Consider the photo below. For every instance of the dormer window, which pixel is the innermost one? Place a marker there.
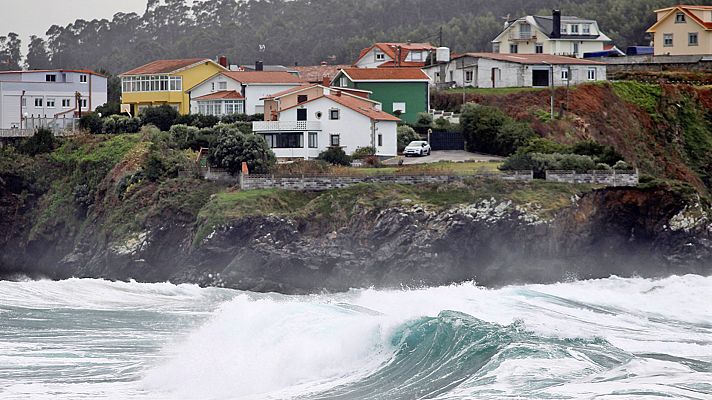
(563, 29)
(586, 29)
(680, 18)
(574, 29)
(380, 56)
(302, 98)
(416, 56)
(50, 78)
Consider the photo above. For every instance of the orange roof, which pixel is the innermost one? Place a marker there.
(317, 73)
(288, 91)
(685, 9)
(263, 77)
(166, 66)
(362, 107)
(222, 95)
(386, 74)
(390, 50)
(520, 58)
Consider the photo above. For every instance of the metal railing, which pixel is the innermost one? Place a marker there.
(281, 126)
(522, 36)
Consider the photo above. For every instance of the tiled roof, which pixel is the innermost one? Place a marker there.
(686, 9)
(317, 73)
(288, 91)
(386, 74)
(222, 95)
(390, 50)
(362, 107)
(165, 66)
(532, 58)
(263, 77)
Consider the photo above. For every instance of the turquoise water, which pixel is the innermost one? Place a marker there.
(603, 339)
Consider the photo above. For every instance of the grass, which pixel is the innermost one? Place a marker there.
(494, 91)
(643, 95)
(441, 167)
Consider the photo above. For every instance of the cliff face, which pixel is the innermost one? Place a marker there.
(491, 240)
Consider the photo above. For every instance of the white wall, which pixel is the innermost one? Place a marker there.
(369, 60)
(353, 128)
(253, 92)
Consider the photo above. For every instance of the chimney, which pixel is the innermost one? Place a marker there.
(556, 28)
(325, 81)
(259, 66)
(222, 60)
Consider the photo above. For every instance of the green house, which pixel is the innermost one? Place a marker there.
(398, 89)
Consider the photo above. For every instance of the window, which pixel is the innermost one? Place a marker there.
(563, 29)
(692, 39)
(539, 48)
(513, 48)
(380, 56)
(83, 103)
(399, 106)
(564, 74)
(525, 31)
(380, 140)
(222, 85)
(50, 78)
(66, 103)
(284, 140)
(495, 47)
(334, 140)
(680, 18)
(667, 39)
(302, 98)
(155, 83)
(576, 48)
(313, 144)
(416, 56)
(469, 74)
(343, 81)
(234, 106)
(334, 114)
(38, 102)
(212, 86)
(586, 29)
(24, 102)
(591, 74)
(50, 103)
(574, 29)
(82, 78)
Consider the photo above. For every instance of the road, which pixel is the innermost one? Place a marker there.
(444, 155)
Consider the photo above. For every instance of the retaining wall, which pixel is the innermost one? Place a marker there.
(608, 178)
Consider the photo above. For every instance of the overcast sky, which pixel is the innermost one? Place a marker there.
(34, 17)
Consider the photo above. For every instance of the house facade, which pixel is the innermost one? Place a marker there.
(48, 94)
(241, 92)
(555, 35)
(304, 121)
(403, 92)
(682, 30)
(494, 70)
(396, 55)
(164, 82)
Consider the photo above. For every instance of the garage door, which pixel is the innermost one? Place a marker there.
(540, 77)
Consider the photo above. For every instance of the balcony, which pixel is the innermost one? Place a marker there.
(523, 36)
(286, 126)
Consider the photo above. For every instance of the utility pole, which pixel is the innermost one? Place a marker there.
(551, 85)
(440, 37)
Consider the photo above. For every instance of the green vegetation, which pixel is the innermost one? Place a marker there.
(335, 155)
(644, 95)
(406, 134)
(489, 130)
(493, 91)
(233, 147)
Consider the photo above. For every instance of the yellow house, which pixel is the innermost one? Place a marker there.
(164, 82)
(683, 30)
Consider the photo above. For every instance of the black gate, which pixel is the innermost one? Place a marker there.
(447, 141)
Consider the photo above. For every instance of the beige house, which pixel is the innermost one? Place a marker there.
(554, 35)
(683, 30)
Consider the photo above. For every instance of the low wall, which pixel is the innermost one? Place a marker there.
(609, 178)
(326, 182)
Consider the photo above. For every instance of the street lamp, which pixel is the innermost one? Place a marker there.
(551, 85)
(22, 98)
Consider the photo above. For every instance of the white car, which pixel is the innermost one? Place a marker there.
(417, 148)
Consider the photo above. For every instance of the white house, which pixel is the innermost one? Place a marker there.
(48, 94)
(494, 70)
(382, 55)
(239, 92)
(304, 121)
(555, 34)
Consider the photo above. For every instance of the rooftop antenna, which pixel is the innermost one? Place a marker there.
(262, 48)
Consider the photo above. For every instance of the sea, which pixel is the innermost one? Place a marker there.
(614, 338)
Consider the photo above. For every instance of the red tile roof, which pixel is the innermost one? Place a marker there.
(263, 77)
(288, 91)
(386, 74)
(362, 107)
(532, 58)
(390, 50)
(165, 66)
(686, 9)
(317, 73)
(222, 95)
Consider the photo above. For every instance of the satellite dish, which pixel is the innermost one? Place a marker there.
(262, 48)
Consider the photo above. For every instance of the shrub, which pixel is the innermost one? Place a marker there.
(363, 152)
(373, 161)
(234, 147)
(406, 134)
(543, 146)
(181, 136)
(43, 141)
(163, 117)
(539, 163)
(621, 166)
(91, 122)
(205, 121)
(335, 155)
(424, 120)
(120, 124)
(232, 118)
(603, 167)
(481, 127)
(599, 152)
(512, 135)
(442, 124)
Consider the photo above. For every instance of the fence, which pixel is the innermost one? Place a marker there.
(608, 178)
(56, 125)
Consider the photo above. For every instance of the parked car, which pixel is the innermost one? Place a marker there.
(417, 148)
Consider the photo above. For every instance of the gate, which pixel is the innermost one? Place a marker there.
(447, 141)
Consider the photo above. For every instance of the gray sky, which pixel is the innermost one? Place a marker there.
(34, 17)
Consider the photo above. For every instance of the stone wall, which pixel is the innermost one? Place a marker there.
(608, 178)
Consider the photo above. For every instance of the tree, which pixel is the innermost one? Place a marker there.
(480, 127)
(335, 155)
(91, 122)
(233, 148)
(10, 52)
(37, 55)
(163, 117)
(42, 141)
(406, 134)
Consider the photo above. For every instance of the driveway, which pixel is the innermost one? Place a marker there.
(444, 155)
